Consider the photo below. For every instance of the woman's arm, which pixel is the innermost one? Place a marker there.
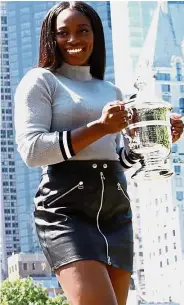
(33, 115)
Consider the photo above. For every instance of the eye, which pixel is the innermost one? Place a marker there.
(84, 31)
(61, 34)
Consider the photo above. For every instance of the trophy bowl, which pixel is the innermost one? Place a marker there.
(148, 136)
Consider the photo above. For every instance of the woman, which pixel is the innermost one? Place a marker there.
(71, 128)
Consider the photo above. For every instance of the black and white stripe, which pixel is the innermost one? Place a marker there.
(66, 144)
(126, 160)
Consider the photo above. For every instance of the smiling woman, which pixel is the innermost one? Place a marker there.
(70, 127)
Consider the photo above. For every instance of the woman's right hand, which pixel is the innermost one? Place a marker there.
(114, 117)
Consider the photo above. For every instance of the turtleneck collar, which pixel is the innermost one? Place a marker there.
(81, 73)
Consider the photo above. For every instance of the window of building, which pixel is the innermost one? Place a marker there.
(177, 169)
(174, 233)
(25, 266)
(26, 40)
(175, 257)
(167, 261)
(163, 76)
(160, 251)
(165, 88)
(178, 181)
(174, 245)
(167, 209)
(26, 32)
(181, 103)
(12, 28)
(33, 266)
(3, 20)
(159, 238)
(179, 195)
(178, 71)
(165, 235)
(160, 264)
(4, 28)
(25, 26)
(166, 248)
(108, 13)
(11, 13)
(181, 88)
(24, 10)
(166, 98)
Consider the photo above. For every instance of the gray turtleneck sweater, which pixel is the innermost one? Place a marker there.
(48, 106)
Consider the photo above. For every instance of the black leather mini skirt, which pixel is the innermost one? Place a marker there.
(82, 212)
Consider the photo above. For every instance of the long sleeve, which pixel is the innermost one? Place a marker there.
(33, 116)
(126, 159)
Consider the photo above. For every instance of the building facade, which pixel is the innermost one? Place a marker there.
(157, 206)
(9, 216)
(34, 265)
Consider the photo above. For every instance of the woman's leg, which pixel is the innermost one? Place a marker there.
(120, 280)
(86, 282)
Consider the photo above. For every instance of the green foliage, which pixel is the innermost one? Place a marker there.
(26, 292)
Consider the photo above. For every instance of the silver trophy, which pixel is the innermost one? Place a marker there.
(148, 135)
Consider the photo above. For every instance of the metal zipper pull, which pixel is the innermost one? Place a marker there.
(119, 187)
(80, 185)
(102, 175)
(109, 260)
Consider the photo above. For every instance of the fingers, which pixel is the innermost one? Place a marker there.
(175, 116)
(175, 137)
(177, 130)
(114, 107)
(176, 123)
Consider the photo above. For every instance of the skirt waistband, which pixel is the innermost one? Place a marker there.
(83, 165)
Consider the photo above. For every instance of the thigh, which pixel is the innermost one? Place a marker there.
(120, 280)
(86, 282)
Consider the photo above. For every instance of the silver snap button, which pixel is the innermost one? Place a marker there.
(104, 165)
(94, 165)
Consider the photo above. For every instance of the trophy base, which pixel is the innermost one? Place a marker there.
(152, 170)
(141, 174)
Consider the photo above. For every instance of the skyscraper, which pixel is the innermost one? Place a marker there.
(158, 212)
(9, 218)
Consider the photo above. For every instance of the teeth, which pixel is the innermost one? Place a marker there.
(74, 51)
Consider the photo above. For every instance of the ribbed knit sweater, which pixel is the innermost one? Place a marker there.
(48, 106)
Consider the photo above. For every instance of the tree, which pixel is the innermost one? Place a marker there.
(26, 292)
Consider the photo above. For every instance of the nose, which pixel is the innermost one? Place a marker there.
(73, 39)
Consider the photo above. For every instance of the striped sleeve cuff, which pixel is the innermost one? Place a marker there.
(126, 160)
(66, 144)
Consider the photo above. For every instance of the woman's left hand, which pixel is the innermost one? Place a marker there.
(176, 126)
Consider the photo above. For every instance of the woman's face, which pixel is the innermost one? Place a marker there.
(74, 37)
